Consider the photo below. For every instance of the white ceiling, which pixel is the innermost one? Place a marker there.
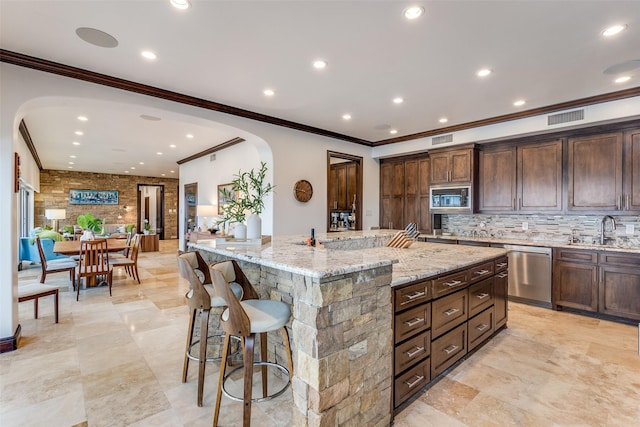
(545, 52)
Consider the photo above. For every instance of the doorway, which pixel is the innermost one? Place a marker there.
(344, 192)
(151, 209)
(190, 203)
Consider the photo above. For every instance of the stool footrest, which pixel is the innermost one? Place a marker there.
(258, 399)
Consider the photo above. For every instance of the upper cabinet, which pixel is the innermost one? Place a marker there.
(343, 185)
(452, 166)
(631, 182)
(594, 167)
(522, 179)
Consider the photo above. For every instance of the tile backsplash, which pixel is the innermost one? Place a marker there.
(541, 228)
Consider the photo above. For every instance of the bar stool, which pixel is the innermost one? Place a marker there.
(244, 319)
(201, 299)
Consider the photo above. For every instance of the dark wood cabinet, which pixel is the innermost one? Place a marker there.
(631, 184)
(404, 193)
(602, 282)
(594, 169)
(343, 185)
(452, 166)
(500, 292)
(524, 179)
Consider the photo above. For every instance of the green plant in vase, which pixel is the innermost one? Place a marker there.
(90, 225)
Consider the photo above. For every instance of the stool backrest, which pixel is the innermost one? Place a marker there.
(189, 263)
(237, 322)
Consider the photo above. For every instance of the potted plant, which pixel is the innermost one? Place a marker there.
(246, 197)
(90, 225)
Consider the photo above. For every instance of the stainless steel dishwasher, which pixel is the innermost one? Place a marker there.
(529, 274)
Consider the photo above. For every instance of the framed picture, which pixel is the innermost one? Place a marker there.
(222, 200)
(16, 172)
(93, 197)
(191, 199)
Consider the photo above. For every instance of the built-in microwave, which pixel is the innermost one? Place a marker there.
(450, 199)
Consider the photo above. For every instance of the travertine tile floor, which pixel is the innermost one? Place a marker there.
(118, 361)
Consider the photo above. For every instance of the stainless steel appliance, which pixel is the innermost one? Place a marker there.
(450, 199)
(529, 274)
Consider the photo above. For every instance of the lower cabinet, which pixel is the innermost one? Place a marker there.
(597, 281)
(438, 321)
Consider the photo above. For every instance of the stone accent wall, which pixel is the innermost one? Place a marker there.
(541, 228)
(54, 193)
(341, 338)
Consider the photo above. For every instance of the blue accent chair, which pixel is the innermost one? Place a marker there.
(29, 251)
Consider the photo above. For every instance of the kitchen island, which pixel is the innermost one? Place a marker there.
(342, 298)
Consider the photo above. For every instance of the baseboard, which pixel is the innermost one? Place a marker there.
(10, 343)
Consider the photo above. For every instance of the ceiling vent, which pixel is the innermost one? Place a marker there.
(571, 116)
(443, 139)
(212, 157)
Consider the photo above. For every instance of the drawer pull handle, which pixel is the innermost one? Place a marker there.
(482, 295)
(413, 296)
(481, 327)
(416, 382)
(503, 275)
(450, 349)
(501, 264)
(417, 350)
(453, 283)
(451, 311)
(481, 272)
(414, 322)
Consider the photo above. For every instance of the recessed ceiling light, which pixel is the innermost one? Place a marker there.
(172, 171)
(180, 4)
(269, 92)
(148, 54)
(132, 167)
(172, 146)
(393, 131)
(190, 136)
(141, 163)
(75, 143)
(398, 100)
(613, 30)
(126, 171)
(159, 153)
(443, 120)
(82, 118)
(72, 156)
(346, 117)
(622, 79)
(519, 103)
(163, 174)
(79, 132)
(413, 12)
(71, 163)
(484, 72)
(69, 167)
(320, 64)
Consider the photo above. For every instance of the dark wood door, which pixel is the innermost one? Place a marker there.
(497, 180)
(575, 285)
(461, 166)
(332, 190)
(619, 292)
(595, 173)
(501, 287)
(392, 194)
(351, 174)
(412, 199)
(540, 177)
(632, 171)
(440, 168)
(424, 223)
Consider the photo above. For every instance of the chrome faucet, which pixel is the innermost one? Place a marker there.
(602, 226)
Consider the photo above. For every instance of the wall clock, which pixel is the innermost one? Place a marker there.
(302, 190)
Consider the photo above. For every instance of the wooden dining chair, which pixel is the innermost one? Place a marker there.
(130, 262)
(93, 262)
(55, 266)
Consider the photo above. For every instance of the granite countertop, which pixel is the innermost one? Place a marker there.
(347, 252)
(543, 243)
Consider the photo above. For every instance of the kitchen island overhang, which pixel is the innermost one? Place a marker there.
(342, 321)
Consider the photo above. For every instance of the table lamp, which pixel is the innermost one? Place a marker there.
(54, 215)
(206, 211)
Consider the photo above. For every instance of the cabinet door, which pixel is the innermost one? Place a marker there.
(424, 170)
(461, 166)
(341, 171)
(620, 292)
(595, 173)
(352, 183)
(501, 286)
(412, 201)
(392, 195)
(497, 180)
(440, 168)
(575, 285)
(332, 194)
(540, 177)
(632, 171)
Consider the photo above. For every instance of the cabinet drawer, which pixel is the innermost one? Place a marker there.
(411, 352)
(480, 272)
(575, 255)
(448, 349)
(481, 327)
(412, 295)
(411, 382)
(449, 312)
(501, 264)
(412, 321)
(620, 259)
(450, 283)
(480, 296)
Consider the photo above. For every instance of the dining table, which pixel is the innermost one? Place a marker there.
(72, 247)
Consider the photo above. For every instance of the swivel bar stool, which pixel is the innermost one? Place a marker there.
(201, 299)
(244, 319)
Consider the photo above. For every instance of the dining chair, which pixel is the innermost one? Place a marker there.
(55, 265)
(35, 291)
(93, 262)
(129, 262)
